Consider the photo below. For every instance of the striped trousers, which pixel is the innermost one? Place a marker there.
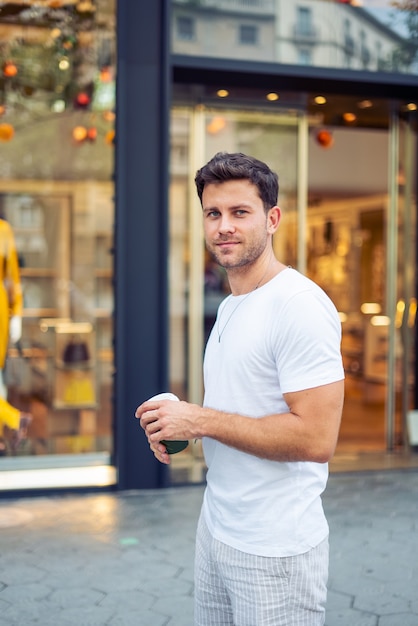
(233, 588)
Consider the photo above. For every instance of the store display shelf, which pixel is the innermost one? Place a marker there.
(71, 367)
(103, 272)
(44, 312)
(38, 272)
(73, 406)
(103, 313)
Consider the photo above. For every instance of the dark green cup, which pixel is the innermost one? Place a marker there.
(175, 446)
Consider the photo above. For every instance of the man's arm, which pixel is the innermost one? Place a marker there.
(308, 432)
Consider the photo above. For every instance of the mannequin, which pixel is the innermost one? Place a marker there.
(11, 305)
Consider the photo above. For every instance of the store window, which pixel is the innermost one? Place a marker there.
(57, 101)
(351, 229)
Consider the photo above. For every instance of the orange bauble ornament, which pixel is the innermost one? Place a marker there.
(6, 132)
(9, 69)
(110, 136)
(324, 138)
(79, 133)
(92, 134)
(82, 99)
(105, 75)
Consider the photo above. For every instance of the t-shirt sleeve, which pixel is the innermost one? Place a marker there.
(308, 342)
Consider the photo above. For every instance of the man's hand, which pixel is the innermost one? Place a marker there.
(168, 420)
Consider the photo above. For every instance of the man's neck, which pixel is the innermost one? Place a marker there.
(242, 281)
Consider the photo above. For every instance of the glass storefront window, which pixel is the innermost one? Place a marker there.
(374, 36)
(57, 101)
(348, 207)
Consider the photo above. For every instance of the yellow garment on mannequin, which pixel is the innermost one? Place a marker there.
(9, 416)
(11, 300)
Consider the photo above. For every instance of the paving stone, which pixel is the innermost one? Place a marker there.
(122, 559)
(381, 604)
(399, 619)
(350, 617)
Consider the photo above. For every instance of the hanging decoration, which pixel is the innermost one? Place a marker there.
(325, 138)
(9, 69)
(82, 134)
(82, 100)
(79, 133)
(6, 132)
(92, 133)
(55, 58)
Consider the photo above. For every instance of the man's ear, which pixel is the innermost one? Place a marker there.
(273, 219)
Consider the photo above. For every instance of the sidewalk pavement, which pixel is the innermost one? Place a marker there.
(124, 559)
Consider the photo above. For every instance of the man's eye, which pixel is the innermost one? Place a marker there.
(213, 214)
(240, 212)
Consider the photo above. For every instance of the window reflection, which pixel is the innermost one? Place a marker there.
(368, 35)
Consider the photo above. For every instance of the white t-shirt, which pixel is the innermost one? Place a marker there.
(283, 337)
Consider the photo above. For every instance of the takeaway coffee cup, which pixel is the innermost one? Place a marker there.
(172, 446)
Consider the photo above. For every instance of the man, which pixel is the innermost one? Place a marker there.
(270, 419)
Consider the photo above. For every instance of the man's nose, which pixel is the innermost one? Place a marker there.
(226, 224)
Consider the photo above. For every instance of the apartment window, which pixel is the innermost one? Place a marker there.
(349, 44)
(380, 63)
(185, 27)
(304, 20)
(304, 56)
(364, 50)
(248, 34)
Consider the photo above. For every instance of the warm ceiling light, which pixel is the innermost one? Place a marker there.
(222, 93)
(411, 106)
(380, 320)
(370, 308)
(272, 97)
(349, 117)
(365, 104)
(320, 100)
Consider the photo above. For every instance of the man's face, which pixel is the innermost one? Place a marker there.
(237, 228)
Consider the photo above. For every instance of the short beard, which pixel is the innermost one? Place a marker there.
(251, 255)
